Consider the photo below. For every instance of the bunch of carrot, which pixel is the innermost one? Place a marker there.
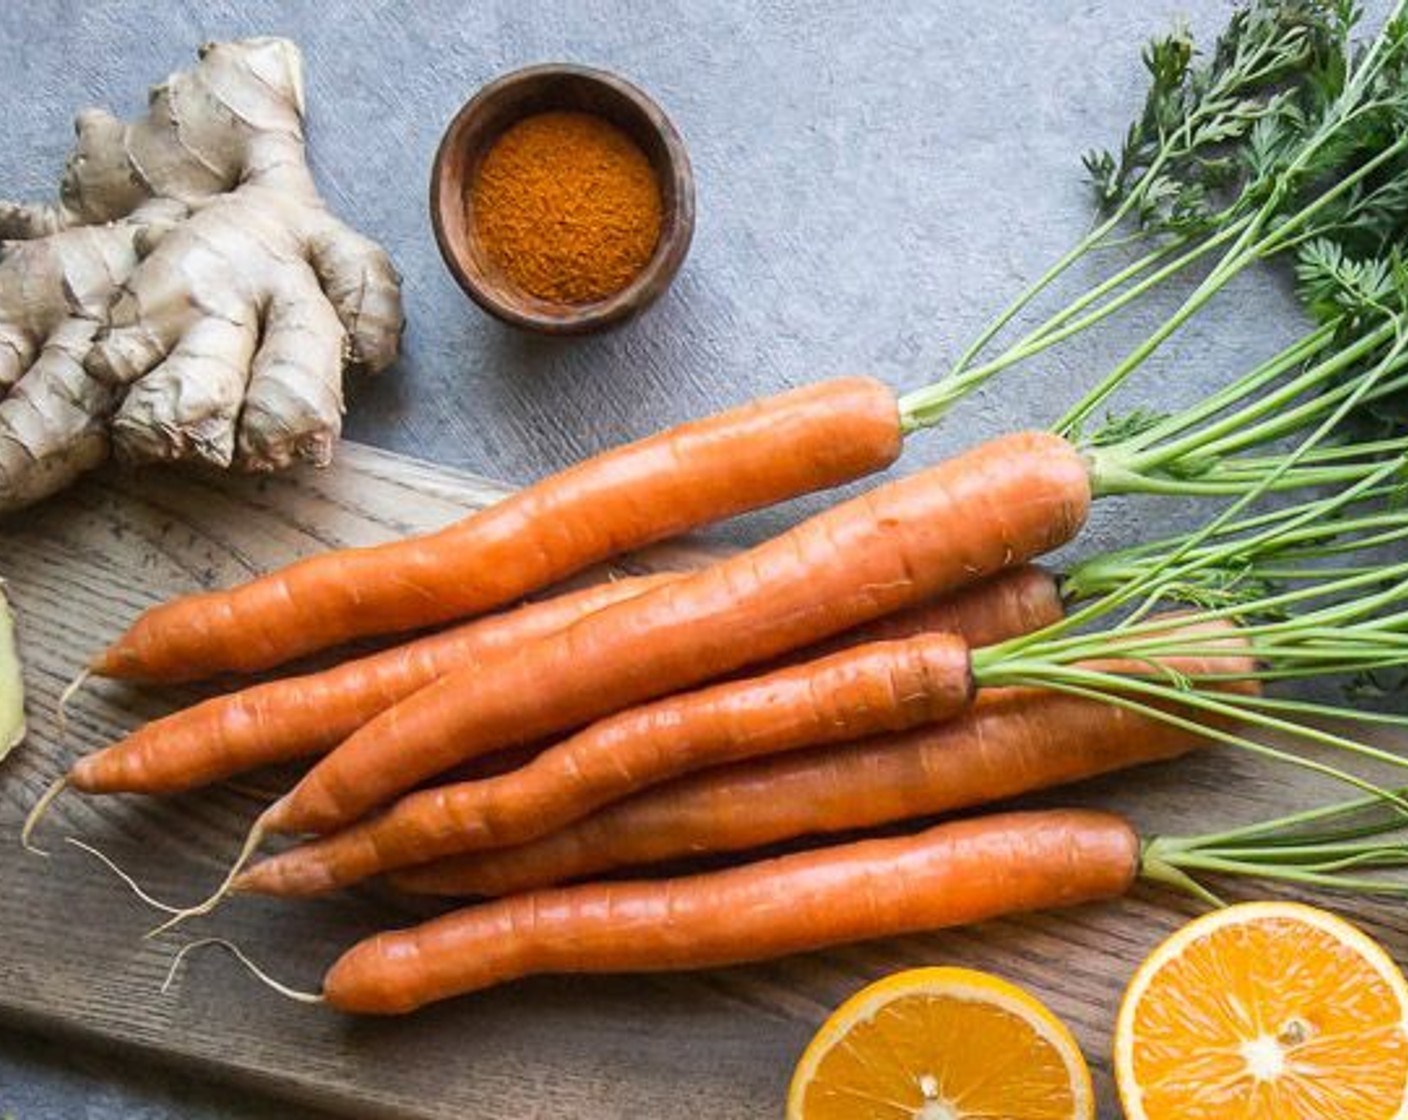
(893, 657)
(464, 694)
(788, 738)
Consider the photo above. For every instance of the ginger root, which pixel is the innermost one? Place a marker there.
(189, 295)
(11, 682)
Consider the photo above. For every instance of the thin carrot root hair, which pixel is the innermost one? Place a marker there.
(66, 697)
(132, 884)
(252, 840)
(41, 807)
(244, 959)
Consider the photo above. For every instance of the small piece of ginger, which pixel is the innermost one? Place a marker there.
(11, 682)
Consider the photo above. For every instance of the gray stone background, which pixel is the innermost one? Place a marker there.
(874, 179)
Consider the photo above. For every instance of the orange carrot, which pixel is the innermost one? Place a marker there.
(1010, 742)
(1009, 604)
(953, 874)
(994, 507)
(800, 441)
(879, 686)
(1012, 603)
(532, 796)
(288, 719)
(299, 716)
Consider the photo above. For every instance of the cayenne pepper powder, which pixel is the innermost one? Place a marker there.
(568, 206)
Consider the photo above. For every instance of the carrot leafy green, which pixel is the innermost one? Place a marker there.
(1288, 140)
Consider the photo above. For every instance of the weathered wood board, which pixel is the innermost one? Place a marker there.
(72, 956)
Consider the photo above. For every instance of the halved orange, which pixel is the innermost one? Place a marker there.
(941, 1044)
(1265, 1011)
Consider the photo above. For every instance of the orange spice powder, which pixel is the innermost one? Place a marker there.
(567, 205)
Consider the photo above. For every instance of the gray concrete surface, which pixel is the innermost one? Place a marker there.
(874, 179)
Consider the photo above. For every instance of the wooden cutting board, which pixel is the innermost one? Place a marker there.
(720, 1044)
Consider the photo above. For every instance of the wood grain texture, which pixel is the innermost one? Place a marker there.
(721, 1043)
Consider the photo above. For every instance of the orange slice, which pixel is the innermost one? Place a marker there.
(941, 1044)
(1265, 1011)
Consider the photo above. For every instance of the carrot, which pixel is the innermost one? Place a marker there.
(688, 732)
(287, 719)
(950, 874)
(808, 439)
(1007, 605)
(870, 689)
(991, 508)
(953, 874)
(1010, 742)
(879, 686)
(294, 717)
(298, 716)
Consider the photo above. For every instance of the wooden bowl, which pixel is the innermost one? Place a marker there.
(500, 105)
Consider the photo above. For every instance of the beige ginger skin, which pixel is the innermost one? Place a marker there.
(188, 296)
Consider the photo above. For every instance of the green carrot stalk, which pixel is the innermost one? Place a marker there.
(1177, 149)
(1340, 846)
(1286, 140)
(1255, 561)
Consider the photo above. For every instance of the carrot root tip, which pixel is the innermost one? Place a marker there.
(132, 884)
(240, 955)
(41, 807)
(252, 841)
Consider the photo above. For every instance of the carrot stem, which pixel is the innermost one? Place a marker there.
(926, 407)
(1114, 691)
(1238, 90)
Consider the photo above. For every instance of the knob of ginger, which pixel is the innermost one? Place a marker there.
(188, 295)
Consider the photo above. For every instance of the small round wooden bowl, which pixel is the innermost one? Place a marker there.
(488, 115)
